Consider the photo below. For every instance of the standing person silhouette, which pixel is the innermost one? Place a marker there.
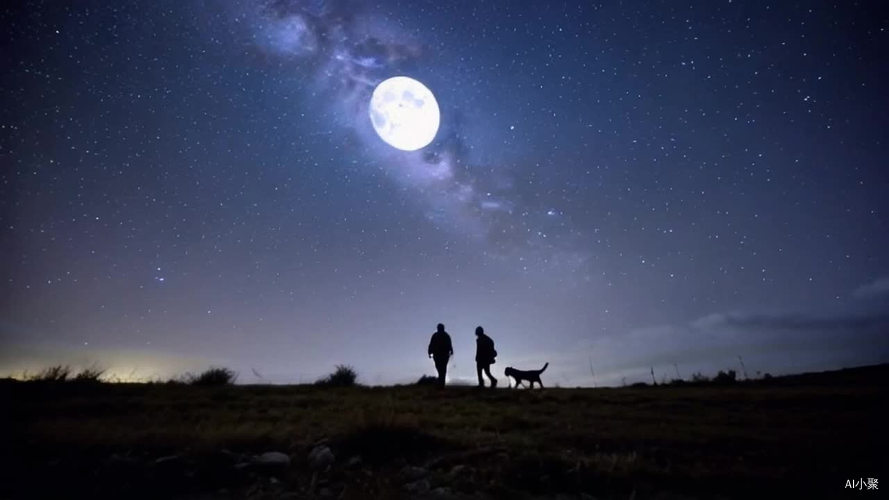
(440, 350)
(484, 356)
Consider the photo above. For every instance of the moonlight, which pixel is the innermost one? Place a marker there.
(404, 113)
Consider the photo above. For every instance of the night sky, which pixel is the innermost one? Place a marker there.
(613, 188)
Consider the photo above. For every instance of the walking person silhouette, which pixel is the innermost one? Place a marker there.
(440, 350)
(485, 355)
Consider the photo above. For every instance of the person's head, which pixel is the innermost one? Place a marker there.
(479, 331)
(440, 327)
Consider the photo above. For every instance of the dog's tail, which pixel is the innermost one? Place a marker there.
(544, 367)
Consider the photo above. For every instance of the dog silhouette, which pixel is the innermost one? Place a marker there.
(525, 375)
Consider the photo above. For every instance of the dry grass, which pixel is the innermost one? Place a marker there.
(733, 441)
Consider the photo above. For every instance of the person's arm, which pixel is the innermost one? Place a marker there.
(429, 351)
(450, 347)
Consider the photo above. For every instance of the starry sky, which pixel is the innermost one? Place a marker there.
(615, 188)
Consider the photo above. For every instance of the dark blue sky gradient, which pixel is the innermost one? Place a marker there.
(660, 183)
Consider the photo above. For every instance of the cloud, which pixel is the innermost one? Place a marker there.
(290, 35)
(778, 343)
(878, 287)
(709, 321)
(794, 322)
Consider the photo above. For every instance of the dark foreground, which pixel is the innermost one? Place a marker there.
(801, 436)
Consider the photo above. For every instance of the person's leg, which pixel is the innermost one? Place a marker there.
(441, 365)
(478, 368)
(490, 377)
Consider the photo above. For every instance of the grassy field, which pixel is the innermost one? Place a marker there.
(801, 436)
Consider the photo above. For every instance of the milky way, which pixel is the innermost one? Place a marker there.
(350, 49)
(613, 188)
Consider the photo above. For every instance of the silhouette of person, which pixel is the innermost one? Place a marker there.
(440, 350)
(484, 356)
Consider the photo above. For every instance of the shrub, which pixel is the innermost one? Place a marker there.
(724, 377)
(91, 375)
(58, 373)
(343, 376)
(213, 376)
(699, 378)
(64, 373)
(427, 380)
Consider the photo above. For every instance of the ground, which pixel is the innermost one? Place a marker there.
(803, 435)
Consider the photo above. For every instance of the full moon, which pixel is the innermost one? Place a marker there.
(404, 113)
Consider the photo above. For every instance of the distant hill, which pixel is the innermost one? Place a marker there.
(873, 375)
